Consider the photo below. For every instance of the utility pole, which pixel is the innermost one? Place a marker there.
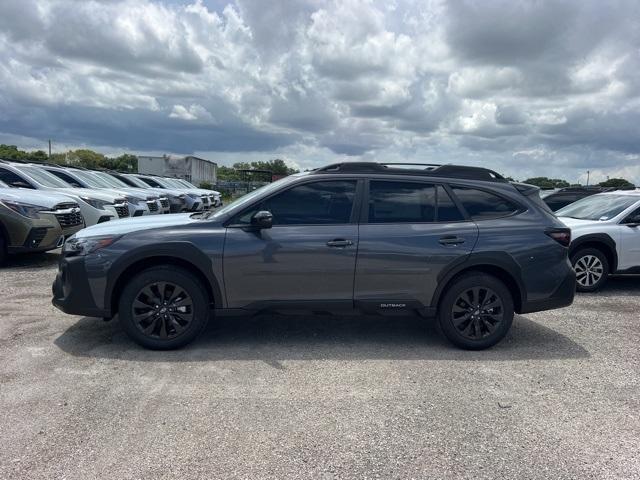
(49, 149)
(588, 178)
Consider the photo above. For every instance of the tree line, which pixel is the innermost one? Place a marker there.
(129, 163)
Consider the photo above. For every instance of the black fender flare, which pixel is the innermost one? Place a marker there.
(181, 251)
(491, 259)
(602, 238)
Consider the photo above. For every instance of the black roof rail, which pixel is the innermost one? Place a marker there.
(428, 169)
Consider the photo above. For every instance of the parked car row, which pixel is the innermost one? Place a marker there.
(54, 201)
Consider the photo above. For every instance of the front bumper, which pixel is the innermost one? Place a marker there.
(561, 297)
(71, 291)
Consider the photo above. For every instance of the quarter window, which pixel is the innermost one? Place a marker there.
(481, 205)
(318, 203)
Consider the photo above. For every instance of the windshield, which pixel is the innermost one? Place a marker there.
(184, 183)
(172, 182)
(90, 179)
(133, 181)
(245, 199)
(111, 181)
(151, 182)
(598, 207)
(44, 178)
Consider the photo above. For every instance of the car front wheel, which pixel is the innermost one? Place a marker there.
(163, 308)
(592, 269)
(476, 311)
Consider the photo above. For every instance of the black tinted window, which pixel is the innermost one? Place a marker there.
(447, 210)
(483, 205)
(312, 204)
(12, 179)
(401, 202)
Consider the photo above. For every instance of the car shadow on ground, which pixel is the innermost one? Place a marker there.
(275, 338)
(31, 260)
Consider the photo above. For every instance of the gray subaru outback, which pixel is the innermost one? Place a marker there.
(460, 244)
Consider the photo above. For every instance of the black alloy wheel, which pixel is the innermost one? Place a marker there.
(162, 310)
(164, 307)
(477, 312)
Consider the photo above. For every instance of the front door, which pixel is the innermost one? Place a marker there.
(307, 257)
(414, 231)
(629, 256)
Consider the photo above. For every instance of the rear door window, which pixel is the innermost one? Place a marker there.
(482, 205)
(410, 202)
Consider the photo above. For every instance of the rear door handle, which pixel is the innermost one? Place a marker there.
(339, 242)
(451, 240)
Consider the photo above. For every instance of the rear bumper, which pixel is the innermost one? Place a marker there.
(561, 297)
(71, 292)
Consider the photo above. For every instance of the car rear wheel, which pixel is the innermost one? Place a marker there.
(163, 308)
(476, 312)
(592, 269)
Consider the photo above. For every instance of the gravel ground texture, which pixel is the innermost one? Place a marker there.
(318, 397)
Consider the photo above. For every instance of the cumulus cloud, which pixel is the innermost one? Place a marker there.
(521, 86)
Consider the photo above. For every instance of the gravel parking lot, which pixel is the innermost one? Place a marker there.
(318, 397)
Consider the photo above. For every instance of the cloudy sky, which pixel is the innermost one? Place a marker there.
(526, 87)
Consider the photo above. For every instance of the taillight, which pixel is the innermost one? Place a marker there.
(560, 235)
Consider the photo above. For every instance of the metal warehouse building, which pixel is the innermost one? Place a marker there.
(193, 169)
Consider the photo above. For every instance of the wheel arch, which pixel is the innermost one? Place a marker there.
(599, 241)
(118, 283)
(501, 269)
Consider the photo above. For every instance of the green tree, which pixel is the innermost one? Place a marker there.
(206, 185)
(276, 167)
(124, 163)
(617, 183)
(11, 152)
(544, 182)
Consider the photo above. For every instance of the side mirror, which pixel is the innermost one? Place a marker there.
(632, 221)
(262, 219)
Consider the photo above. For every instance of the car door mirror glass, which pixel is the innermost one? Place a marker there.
(262, 219)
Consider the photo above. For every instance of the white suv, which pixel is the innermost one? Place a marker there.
(605, 236)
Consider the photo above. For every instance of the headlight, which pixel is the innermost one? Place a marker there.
(84, 246)
(26, 209)
(95, 203)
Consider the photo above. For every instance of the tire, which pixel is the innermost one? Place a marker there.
(169, 326)
(588, 263)
(475, 329)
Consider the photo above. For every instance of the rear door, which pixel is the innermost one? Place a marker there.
(411, 232)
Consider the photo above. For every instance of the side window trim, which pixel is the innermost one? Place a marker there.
(354, 209)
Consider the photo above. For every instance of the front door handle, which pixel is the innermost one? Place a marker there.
(451, 240)
(339, 242)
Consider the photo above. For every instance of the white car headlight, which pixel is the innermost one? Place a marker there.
(96, 203)
(83, 246)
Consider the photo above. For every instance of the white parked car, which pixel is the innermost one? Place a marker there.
(97, 206)
(605, 236)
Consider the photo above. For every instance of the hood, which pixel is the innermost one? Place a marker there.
(134, 224)
(91, 193)
(34, 197)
